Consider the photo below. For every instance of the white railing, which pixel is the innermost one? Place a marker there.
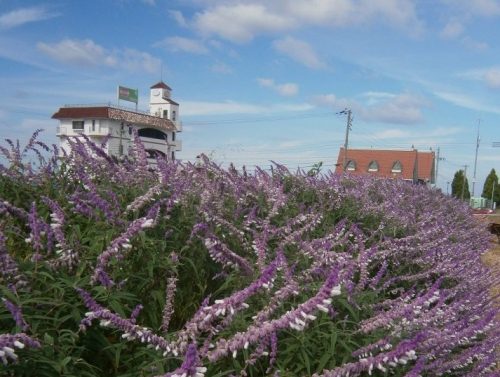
(114, 106)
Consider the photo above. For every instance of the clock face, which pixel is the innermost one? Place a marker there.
(156, 92)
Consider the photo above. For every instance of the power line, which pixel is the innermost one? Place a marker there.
(260, 119)
(22, 111)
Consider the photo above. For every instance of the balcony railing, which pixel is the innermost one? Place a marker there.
(114, 106)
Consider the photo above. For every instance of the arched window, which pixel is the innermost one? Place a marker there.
(152, 133)
(373, 166)
(351, 165)
(152, 153)
(397, 167)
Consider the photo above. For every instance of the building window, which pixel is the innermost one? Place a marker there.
(173, 136)
(351, 165)
(173, 116)
(373, 166)
(173, 156)
(152, 133)
(165, 114)
(397, 167)
(153, 153)
(93, 125)
(78, 125)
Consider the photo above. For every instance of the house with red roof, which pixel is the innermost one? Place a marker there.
(411, 165)
(157, 128)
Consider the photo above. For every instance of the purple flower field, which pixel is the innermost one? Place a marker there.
(114, 268)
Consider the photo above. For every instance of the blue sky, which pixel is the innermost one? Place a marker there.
(265, 80)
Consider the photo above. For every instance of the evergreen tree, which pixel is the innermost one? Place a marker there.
(460, 182)
(491, 188)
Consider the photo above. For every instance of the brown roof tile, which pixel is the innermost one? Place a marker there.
(107, 112)
(161, 85)
(426, 161)
(415, 165)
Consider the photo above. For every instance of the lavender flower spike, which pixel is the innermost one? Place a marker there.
(9, 343)
(169, 308)
(188, 367)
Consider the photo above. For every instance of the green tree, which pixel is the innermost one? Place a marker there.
(491, 188)
(460, 183)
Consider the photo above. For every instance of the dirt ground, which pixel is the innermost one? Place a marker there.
(492, 257)
(492, 260)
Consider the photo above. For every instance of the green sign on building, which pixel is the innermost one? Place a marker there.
(128, 94)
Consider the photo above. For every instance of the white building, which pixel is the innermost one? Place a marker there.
(157, 129)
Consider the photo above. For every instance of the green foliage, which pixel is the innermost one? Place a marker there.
(491, 190)
(460, 186)
(315, 170)
(381, 244)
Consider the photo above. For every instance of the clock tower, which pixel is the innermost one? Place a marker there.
(162, 105)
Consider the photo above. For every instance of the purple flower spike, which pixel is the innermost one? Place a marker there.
(188, 367)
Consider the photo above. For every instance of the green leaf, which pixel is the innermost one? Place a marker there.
(305, 358)
(333, 340)
(323, 361)
(48, 339)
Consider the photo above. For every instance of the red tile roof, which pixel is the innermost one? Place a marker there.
(161, 85)
(415, 165)
(426, 161)
(107, 112)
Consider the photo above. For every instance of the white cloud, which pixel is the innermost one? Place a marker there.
(22, 16)
(402, 109)
(472, 44)
(82, 53)
(398, 13)
(178, 17)
(453, 29)
(331, 101)
(223, 68)
(374, 98)
(176, 44)
(467, 102)
(485, 8)
(381, 107)
(240, 22)
(136, 61)
(492, 78)
(489, 76)
(300, 51)
(85, 53)
(288, 89)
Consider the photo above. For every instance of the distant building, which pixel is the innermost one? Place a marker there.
(157, 129)
(410, 165)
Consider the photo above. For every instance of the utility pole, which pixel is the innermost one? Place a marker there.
(492, 196)
(475, 162)
(348, 112)
(463, 184)
(437, 166)
(436, 171)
